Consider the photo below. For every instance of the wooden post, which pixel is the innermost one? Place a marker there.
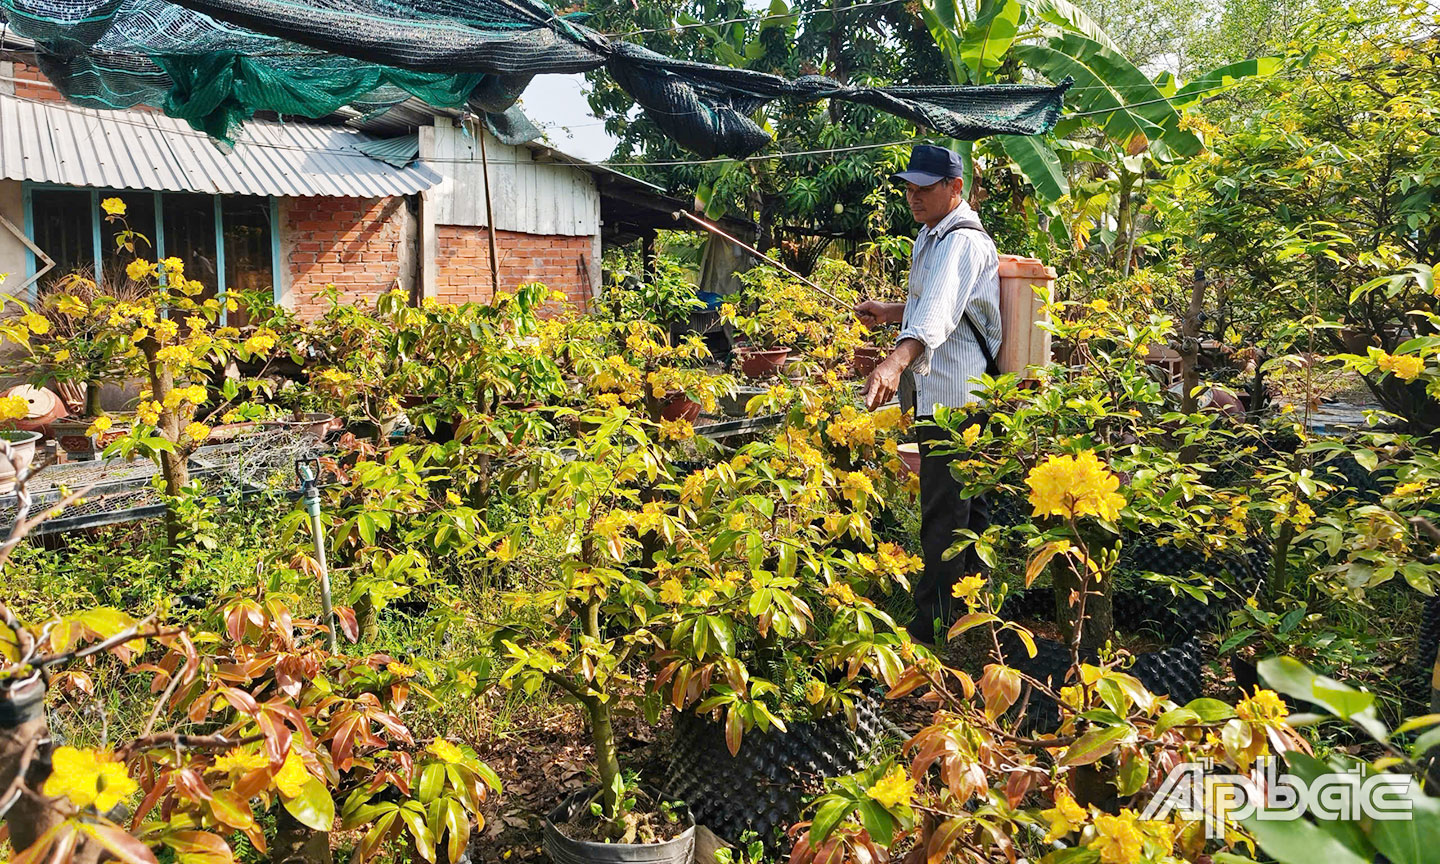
(489, 215)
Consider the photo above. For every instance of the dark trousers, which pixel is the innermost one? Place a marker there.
(942, 513)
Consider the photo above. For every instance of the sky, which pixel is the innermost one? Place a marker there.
(556, 103)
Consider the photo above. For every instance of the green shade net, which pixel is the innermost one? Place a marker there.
(214, 63)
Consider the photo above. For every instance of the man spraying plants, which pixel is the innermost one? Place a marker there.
(949, 335)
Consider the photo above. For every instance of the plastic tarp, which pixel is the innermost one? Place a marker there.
(215, 63)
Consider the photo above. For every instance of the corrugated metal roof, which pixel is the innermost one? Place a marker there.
(52, 142)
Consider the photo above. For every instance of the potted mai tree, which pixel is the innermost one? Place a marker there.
(589, 631)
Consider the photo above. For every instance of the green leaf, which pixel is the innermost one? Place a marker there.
(1177, 717)
(432, 780)
(1095, 745)
(1040, 165)
(313, 806)
(1134, 770)
(878, 821)
(1223, 76)
(1299, 842)
(832, 809)
(1411, 839)
(1210, 710)
(1293, 678)
(1068, 16)
(424, 838)
(987, 39)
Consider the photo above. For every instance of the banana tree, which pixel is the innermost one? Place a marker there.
(1055, 39)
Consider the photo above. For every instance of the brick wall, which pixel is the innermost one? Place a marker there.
(361, 245)
(462, 263)
(24, 74)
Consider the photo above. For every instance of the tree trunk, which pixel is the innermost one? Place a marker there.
(602, 735)
(367, 617)
(1097, 607)
(25, 748)
(92, 399)
(173, 465)
(297, 843)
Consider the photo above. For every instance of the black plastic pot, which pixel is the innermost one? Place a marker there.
(564, 850)
(1429, 639)
(1174, 671)
(22, 702)
(765, 787)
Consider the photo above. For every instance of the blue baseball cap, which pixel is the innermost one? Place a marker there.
(930, 164)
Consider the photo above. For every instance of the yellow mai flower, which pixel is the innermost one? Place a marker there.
(672, 593)
(1066, 816)
(292, 776)
(197, 431)
(177, 356)
(400, 670)
(857, 488)
(240, 761)
(814, 691)
(139, 270)
(148, 412)
(1265, 706)
(677, 430)
(101, 425)
(1118, 839)
(89, 777)
(263, 340)
(38, 324)
(13, 408)
(1402, 366)
(1408, 488)
(971, 434)
(895, 789)
(1074, 486)
(968, 589)
(446, 751)
(1100, 304)
(113, 207)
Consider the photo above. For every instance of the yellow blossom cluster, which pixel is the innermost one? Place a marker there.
(197, 431)
(88, 778)
(292, 776)
(857, 487)
(100, 426)
(851, 427)
(1122, 838)
(1264, 706)
(261, 341)
(1065, 817)
(113, 207)
(241, 761)
(1074, 486)
(677, 430)
(890, 560)
(894, 790)
(447, 751)
(968, 589)
(13, 408)
(1406, 367)
(148, 411)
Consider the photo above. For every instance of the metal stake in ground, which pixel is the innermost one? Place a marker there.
(311, 492)
(713, 229)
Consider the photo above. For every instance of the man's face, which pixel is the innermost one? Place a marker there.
(930, 203)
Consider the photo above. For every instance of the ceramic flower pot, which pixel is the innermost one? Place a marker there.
(679, 407)
(22, 453)
(867, 357)
(312, 423)
(761, 362)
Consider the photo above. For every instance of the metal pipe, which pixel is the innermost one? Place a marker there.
(311, 492)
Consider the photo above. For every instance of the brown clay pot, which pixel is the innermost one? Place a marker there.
(867, 357)
(679, 407)
(761, 362)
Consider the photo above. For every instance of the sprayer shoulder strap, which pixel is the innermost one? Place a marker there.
(992, 368)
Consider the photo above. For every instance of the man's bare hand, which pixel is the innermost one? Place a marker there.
(880, 387)
(871, 312)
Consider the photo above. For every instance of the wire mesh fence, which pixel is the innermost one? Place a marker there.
(126, 490)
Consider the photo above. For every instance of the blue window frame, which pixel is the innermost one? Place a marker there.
(227, 241)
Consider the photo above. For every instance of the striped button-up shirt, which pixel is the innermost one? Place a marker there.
(950, 272)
